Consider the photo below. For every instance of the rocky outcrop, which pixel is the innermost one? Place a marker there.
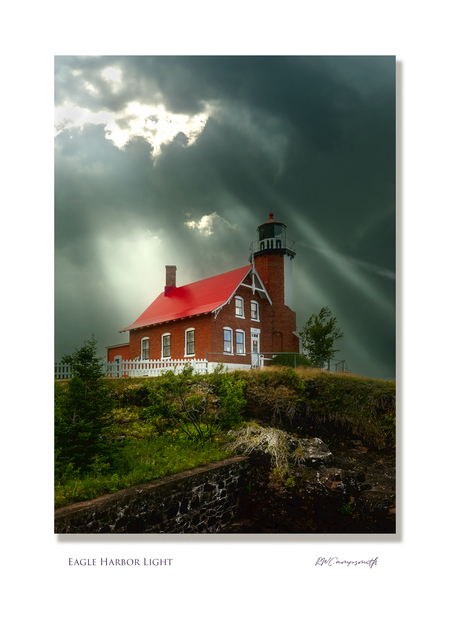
(349, 491)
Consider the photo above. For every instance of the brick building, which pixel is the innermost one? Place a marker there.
(230, 318)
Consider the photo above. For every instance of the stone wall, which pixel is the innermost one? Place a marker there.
(203, 500)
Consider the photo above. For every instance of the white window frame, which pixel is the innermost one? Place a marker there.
(162, 346)
(186, 354)
(230, 331)
(241, 332)
(145, 339)
(257, 311)
(236, 308)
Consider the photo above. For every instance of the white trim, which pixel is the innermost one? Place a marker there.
(253, 288)
(186, 331)
(262, 291)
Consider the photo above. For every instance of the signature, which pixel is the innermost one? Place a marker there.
(335, 561)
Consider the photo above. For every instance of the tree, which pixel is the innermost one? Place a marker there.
(319, 335)
(83, 413)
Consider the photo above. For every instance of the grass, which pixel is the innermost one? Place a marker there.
(148, 452)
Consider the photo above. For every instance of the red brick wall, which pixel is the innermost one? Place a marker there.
(201, 324)
(270, 268)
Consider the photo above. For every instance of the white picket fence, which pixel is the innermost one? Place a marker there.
(149, 367)
(63, 370)
(154, 367)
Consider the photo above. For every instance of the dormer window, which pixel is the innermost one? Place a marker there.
(239, 306)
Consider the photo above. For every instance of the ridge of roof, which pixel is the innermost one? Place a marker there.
(200, 297)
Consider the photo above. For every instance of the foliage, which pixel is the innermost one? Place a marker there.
(230, 389)
(304, 401)
(83, 414)
(184, 400)
(172, 398)
(292, 360)
(274, 394)
(318, 336)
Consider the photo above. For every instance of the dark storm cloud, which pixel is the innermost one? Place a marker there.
(310, 139)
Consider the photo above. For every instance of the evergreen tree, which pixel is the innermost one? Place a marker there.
(83, 413)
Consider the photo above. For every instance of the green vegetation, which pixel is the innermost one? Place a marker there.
(349, 405)
(104, 442)
(83, 415)
(318, 337)
(115, 433)
(145, 455)
(292, 360)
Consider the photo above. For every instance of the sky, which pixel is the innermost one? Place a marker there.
(177, 160)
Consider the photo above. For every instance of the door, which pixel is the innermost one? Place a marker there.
(255, 336)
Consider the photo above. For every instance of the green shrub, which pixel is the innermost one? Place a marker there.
(173, 398)
(291, 360)
(231, 400)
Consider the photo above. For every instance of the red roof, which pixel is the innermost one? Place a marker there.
(200, 297)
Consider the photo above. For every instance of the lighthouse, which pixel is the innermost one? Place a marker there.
(272, 254)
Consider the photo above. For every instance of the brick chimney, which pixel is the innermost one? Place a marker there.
(171, 279)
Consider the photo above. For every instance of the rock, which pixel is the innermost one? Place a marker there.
(316, 452)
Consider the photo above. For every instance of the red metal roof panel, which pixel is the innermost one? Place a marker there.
(199, 297)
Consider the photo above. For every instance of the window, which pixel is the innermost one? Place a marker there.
(240, 343)
(254, 308)
(227, 341)
(239, 305)
(145, 348)
(166, 345)
(190, 342)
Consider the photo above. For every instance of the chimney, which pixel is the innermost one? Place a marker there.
(171, 279)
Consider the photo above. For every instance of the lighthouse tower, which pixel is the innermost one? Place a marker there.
(272, 254)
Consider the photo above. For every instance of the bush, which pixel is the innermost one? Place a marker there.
(172, 398)
(292, 360)
(230, 389)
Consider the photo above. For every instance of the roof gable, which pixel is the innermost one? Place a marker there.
(202, 297)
